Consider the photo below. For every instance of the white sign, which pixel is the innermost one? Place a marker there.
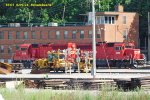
(117, 52)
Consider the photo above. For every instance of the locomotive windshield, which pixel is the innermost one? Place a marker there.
(23, 49)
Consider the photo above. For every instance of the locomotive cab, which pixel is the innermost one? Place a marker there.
(134, 55)
(25, 51)
(23, 55)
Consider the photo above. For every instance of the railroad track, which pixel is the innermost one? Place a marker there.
(145, 84)
(89, 84)
(2, 84)
(86, 84)
(96, 84)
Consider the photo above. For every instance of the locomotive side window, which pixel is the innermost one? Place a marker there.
(110, 44)
(118, 48)
(130, 47)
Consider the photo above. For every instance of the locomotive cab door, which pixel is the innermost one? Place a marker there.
(118, 55)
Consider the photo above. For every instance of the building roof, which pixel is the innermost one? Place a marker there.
(107, 13)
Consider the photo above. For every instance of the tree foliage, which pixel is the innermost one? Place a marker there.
(68, 10)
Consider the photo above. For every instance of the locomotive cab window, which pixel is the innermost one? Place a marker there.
(118, 48)
(130, 47)
(23, 49)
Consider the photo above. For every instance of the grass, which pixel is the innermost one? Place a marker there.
(40, 94)
(107, 92)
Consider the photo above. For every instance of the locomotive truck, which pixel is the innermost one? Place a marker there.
(108, 54)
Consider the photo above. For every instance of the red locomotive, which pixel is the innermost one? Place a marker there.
(115, 54)
(108, 54)
(30, 52)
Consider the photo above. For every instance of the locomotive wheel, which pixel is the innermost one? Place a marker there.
(118, 65)
(56, 70)
(125, 63)
(142, 62)
(75, 70)
(81, 71)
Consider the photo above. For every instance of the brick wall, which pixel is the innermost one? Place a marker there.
(109, 33)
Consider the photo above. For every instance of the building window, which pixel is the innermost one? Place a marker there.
(9, 35)
(1, 35)
(125, 34)
(9, 61)
(2, 49)
(1, 60)
(17, 35)
(57, 34)
(73, 34)
(49, 34)
(81, 34)
(17, 47)
(41, 35)
(105, 19)
(98, 20)
(9, 49)
(113, 20)
(25, 35)
(98, 34)
(124, 19)
(90, 34)
(33, 34)
(65, 34)
(110, 20)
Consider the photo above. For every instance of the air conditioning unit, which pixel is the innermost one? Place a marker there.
(14, 24)
(52, 24)
(41, 25)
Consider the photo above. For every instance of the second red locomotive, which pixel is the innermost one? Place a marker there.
(108, 54)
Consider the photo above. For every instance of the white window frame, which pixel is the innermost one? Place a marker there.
(101, 19)
(81, 34)
(57, 34)
(25, 35)
(74, 34)
(2, 49)
(65, 34)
